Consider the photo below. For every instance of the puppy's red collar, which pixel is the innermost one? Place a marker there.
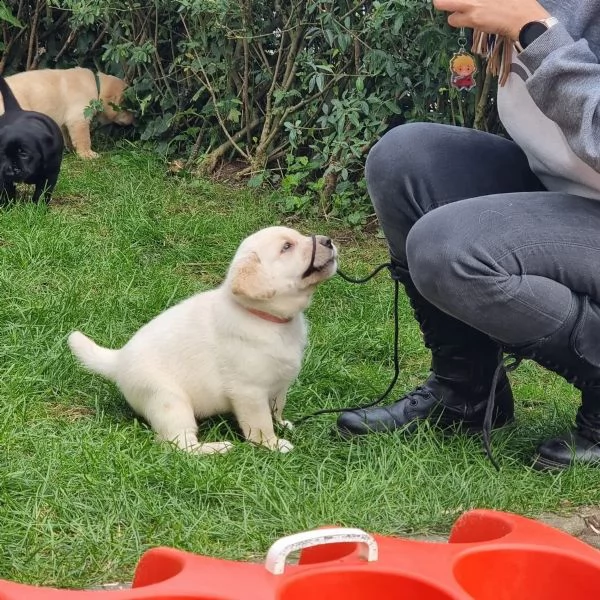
(267, 316)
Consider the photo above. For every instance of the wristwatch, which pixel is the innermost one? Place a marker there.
(532, 30)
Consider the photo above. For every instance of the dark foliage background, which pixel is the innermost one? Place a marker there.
(291, 94)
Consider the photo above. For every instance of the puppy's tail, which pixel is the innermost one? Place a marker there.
(96, 358)
(10, 102)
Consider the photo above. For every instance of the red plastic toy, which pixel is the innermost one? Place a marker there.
(490, 556)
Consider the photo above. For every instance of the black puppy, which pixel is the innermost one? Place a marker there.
(31, 149)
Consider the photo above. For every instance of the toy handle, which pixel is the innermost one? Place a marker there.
(279, 551)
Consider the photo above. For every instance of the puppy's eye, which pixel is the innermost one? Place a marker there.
(22, 152)
(286, 247)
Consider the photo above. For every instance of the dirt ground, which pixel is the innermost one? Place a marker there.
(583, 524)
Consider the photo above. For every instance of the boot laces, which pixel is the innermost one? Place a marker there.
(508, 366)
(420, 392)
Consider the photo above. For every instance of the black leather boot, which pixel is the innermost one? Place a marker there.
(457, 390)
(573, 352)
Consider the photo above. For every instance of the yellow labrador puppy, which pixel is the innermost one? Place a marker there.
(235, 349)
(63, 95)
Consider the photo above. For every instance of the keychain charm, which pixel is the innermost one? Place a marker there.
(462, 66)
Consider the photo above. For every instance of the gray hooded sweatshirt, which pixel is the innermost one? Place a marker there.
(550, 104)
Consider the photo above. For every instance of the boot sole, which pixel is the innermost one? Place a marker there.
(451, 429)
(541, 463)
(545, 465)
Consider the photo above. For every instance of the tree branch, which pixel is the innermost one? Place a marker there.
(211, 91)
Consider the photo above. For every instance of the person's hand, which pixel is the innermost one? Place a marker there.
(503, 17)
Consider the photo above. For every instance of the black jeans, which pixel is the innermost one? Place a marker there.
(480, 236)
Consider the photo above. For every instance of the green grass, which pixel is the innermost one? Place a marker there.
(85, 490)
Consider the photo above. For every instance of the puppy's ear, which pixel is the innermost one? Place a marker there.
(250, 280)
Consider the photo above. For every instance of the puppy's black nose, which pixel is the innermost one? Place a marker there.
(325, 241)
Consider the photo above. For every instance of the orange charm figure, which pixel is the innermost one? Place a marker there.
(463, 69)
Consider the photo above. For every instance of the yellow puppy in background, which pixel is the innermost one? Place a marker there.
(63, 95)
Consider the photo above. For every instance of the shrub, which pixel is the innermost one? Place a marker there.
(294, 93)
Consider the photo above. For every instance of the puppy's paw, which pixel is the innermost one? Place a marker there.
(211, 448)
(284, 446)
(286, 424)
(87, 154)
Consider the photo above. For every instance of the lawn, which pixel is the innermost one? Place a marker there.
(85, 490)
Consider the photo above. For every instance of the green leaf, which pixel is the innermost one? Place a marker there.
(234, 115)
(327, 68)
(320, 81)
(398, 23)
(257, 180)
(93, 108)
(7, 16)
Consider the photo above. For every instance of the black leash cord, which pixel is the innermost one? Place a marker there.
(368, 277)
(487, 427)
(390, 387)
